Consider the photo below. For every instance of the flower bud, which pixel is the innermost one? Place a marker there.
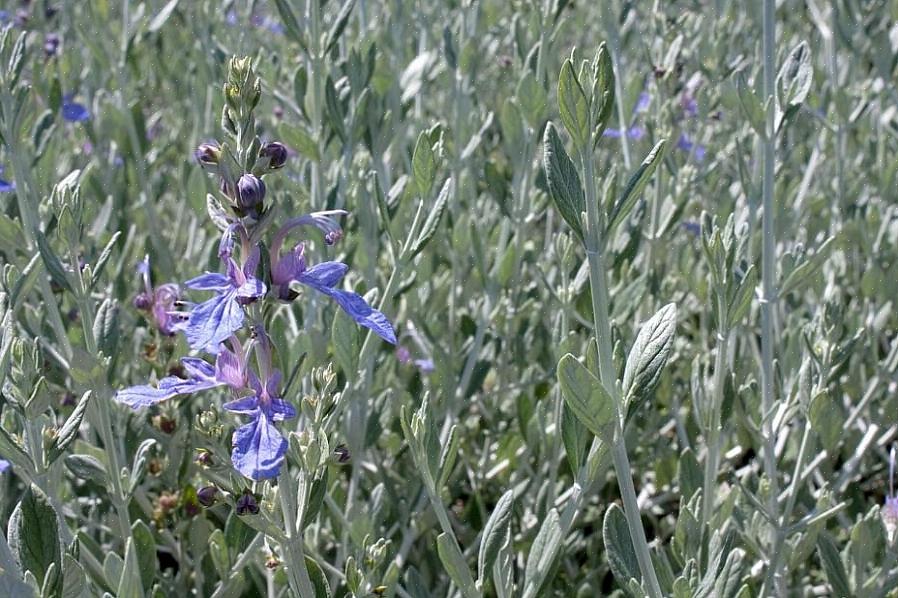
(276, 153)
(51, 44)
(206, 495)
(250, 192)
(247, 504)
(207, 154)
(143, 301)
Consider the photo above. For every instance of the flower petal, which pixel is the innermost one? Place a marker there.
(352, 303)
(279, 410)
(210, 281)
(325, 274)
(259, 449)
(213, 321)
(230, 370)
(253, 288)
(74, 112)
(248, 405)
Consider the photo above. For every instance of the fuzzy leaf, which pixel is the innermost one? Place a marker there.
(542, 554)
(494, 535)
(69, 430)
(573, 105)
(34, 538)
(424, 164)
(618, 546)
(429, 229)
(634, 188)
(455, 564)
(649, 354)
(586, 396)
(563, 180)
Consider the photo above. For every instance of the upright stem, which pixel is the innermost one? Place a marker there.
(297, 572)
(599, 287)
(712, 460)
(768, 264)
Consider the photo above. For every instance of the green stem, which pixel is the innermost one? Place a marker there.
(768, 270)
(712, 460)
(608, 376)
(297, 572)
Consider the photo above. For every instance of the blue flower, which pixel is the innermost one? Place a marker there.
(214, 320)
(73, 111)
(258, 446)
(634, 132)
(323, 277)
(6, 186)
(687, 145)
(642, 103)
(229, 370)
(4, 465)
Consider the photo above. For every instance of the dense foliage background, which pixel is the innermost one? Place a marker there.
(461, 431)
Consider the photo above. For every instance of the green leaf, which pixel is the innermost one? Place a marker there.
(106, 326)
(618, 546)
(563, 180)
(573, 106)
(448, 456)
(69, 430)
(319, 581)
(218, 551)
(299, 139)
(575, 437)
(689, 474)
(101, 262)
(51, 262)
(587, 398)
(87, 467)
(345, 338)
(751, 105)
(333, 35)
(741, 300)
(145, 544)
(429, 229)
(793, 82)
(649, 354)
(424, 164)
(288, 16)
(531, 97)
(494, 535)
(542, 554)
(16, 62)
(74, 582)
(34, 538)
(602, 91)
(162, 16)
(455, 564)
(832, 565)
(12, 452)
(41, 133)
(634, 188)
(826, 419)
(129, 582)
(802, 273)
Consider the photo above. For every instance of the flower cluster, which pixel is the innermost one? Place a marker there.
(215, 325)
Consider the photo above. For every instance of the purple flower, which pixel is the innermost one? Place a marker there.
(206, 495)
(276, 153)
(687, 145)
(51, 44)
(207, 154)
(6, 186)
(229, 370)
(4, 465)
(159, 302)
(689, 105)
(692, 227)
(214, 320)
(259, 447)
(425, 365)
(642, 103)
(634, 132)
(247, 504)
(291, 267)
(250, 192)
(73, 111)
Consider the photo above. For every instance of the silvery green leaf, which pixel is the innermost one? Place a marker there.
(162, 16)
(298, 138)
(563, 180)
(448, 456)
(542, 554)
(503, 570)
(103, 259)
(33, 536)
(345, 338)
(826, 419)
(14, 453)
(794, 82)
(16, 61)
(140, 464)
(689, 474)
(87, 467)
(575, 437)
(602, 90)
(51, 262)
(106, 326)
(218, 551)
(752, 106)
(145, 546)
(74, 582)
(291, 23)
(429, 229)
(319, 581)
(424, 165)
(455, 564)
(494, 535)
(69, 430)
(618, 546)
(573, 106)
(532, 99)
(129, 585)
(804, 271)
(339, 24)
(833, 566)
(587, 397)
(336, 115)
(637, 182)
(649, 354)
(42, 132)
(741, 300)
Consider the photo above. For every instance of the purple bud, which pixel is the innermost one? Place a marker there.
(143, 301)
(342, 454)
(276, 153)
(247, 504)
(204, 458)
(51, 44)
(207, 154)
(250, 191)
(332, 237)
(206, 495)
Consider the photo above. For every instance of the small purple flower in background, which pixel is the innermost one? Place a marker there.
(634, 132)
(73, 111)
(692, 227)
(403, 355)
(4, 465)
(689, 105)
(687, 145)
(214, 320)
(6, 186)
(160, 302)
(890, 509)
(642, 103)
(51, 44)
